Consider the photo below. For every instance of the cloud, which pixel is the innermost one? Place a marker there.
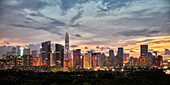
(76, 17)
(77, 35)
(86, 48)
(54, 30)
(68, 4)
(108, 5)
(134, 42)
(97, 47)
(6, 42)
(76, 25)
(26, 4)
(73, 46)
(143, 32)
(53, 21)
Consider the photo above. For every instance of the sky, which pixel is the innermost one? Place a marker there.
(97, 25)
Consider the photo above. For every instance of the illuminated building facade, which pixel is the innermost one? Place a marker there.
(13, 51)
(136, 62)
(10, 60)
(120, 56)
(160, 60)
(168, 61)
(19, 61)
(87, 61)
(125, 56)
(77, 60)
(98, 58)
(46, 50)
(26, 51)
(142, 61)
(27, 60)
(131, 61)
(149, 59)
(59, 55)
(94, 59)
(36, 61)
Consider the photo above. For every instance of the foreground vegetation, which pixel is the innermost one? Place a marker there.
(145, 77)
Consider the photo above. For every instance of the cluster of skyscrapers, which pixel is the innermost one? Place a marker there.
(21, 58)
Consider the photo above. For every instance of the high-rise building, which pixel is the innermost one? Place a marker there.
(27, 60)
(136, 62)
(67, 56)
(120, 56)
(125, 56)
(77, 60)
(131, 61)
(111, 55)
(10, 61)
(13, 51)
(160, 60)
(142, 61)
(46, 50)
(143, 50)
(168, 62)
(149, 59)
(59, 55)
(34, 53)
(167, 51)
(67, 45)
(26, 51)
(18, 50)
(87, 59)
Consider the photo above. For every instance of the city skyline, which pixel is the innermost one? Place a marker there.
(99, 25)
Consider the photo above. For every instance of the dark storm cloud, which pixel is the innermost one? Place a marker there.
(143, 32)
(77, 35)
(114, 4)
(73, 46)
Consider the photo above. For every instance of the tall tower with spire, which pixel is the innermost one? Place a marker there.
(67, 56)
(66, 44)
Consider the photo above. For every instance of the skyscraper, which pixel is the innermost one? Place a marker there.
(67, 56)
(13, 51)
(34, 53)
(111, 55)
(26, 51)
(59, 55)
(46, 50)
(87, 61)
(77, 61)
(67, 44)
(143, 50)
(120, 56)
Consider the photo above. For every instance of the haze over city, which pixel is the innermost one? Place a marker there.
(97, 25)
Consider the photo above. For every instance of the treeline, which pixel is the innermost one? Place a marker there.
(145, 77)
